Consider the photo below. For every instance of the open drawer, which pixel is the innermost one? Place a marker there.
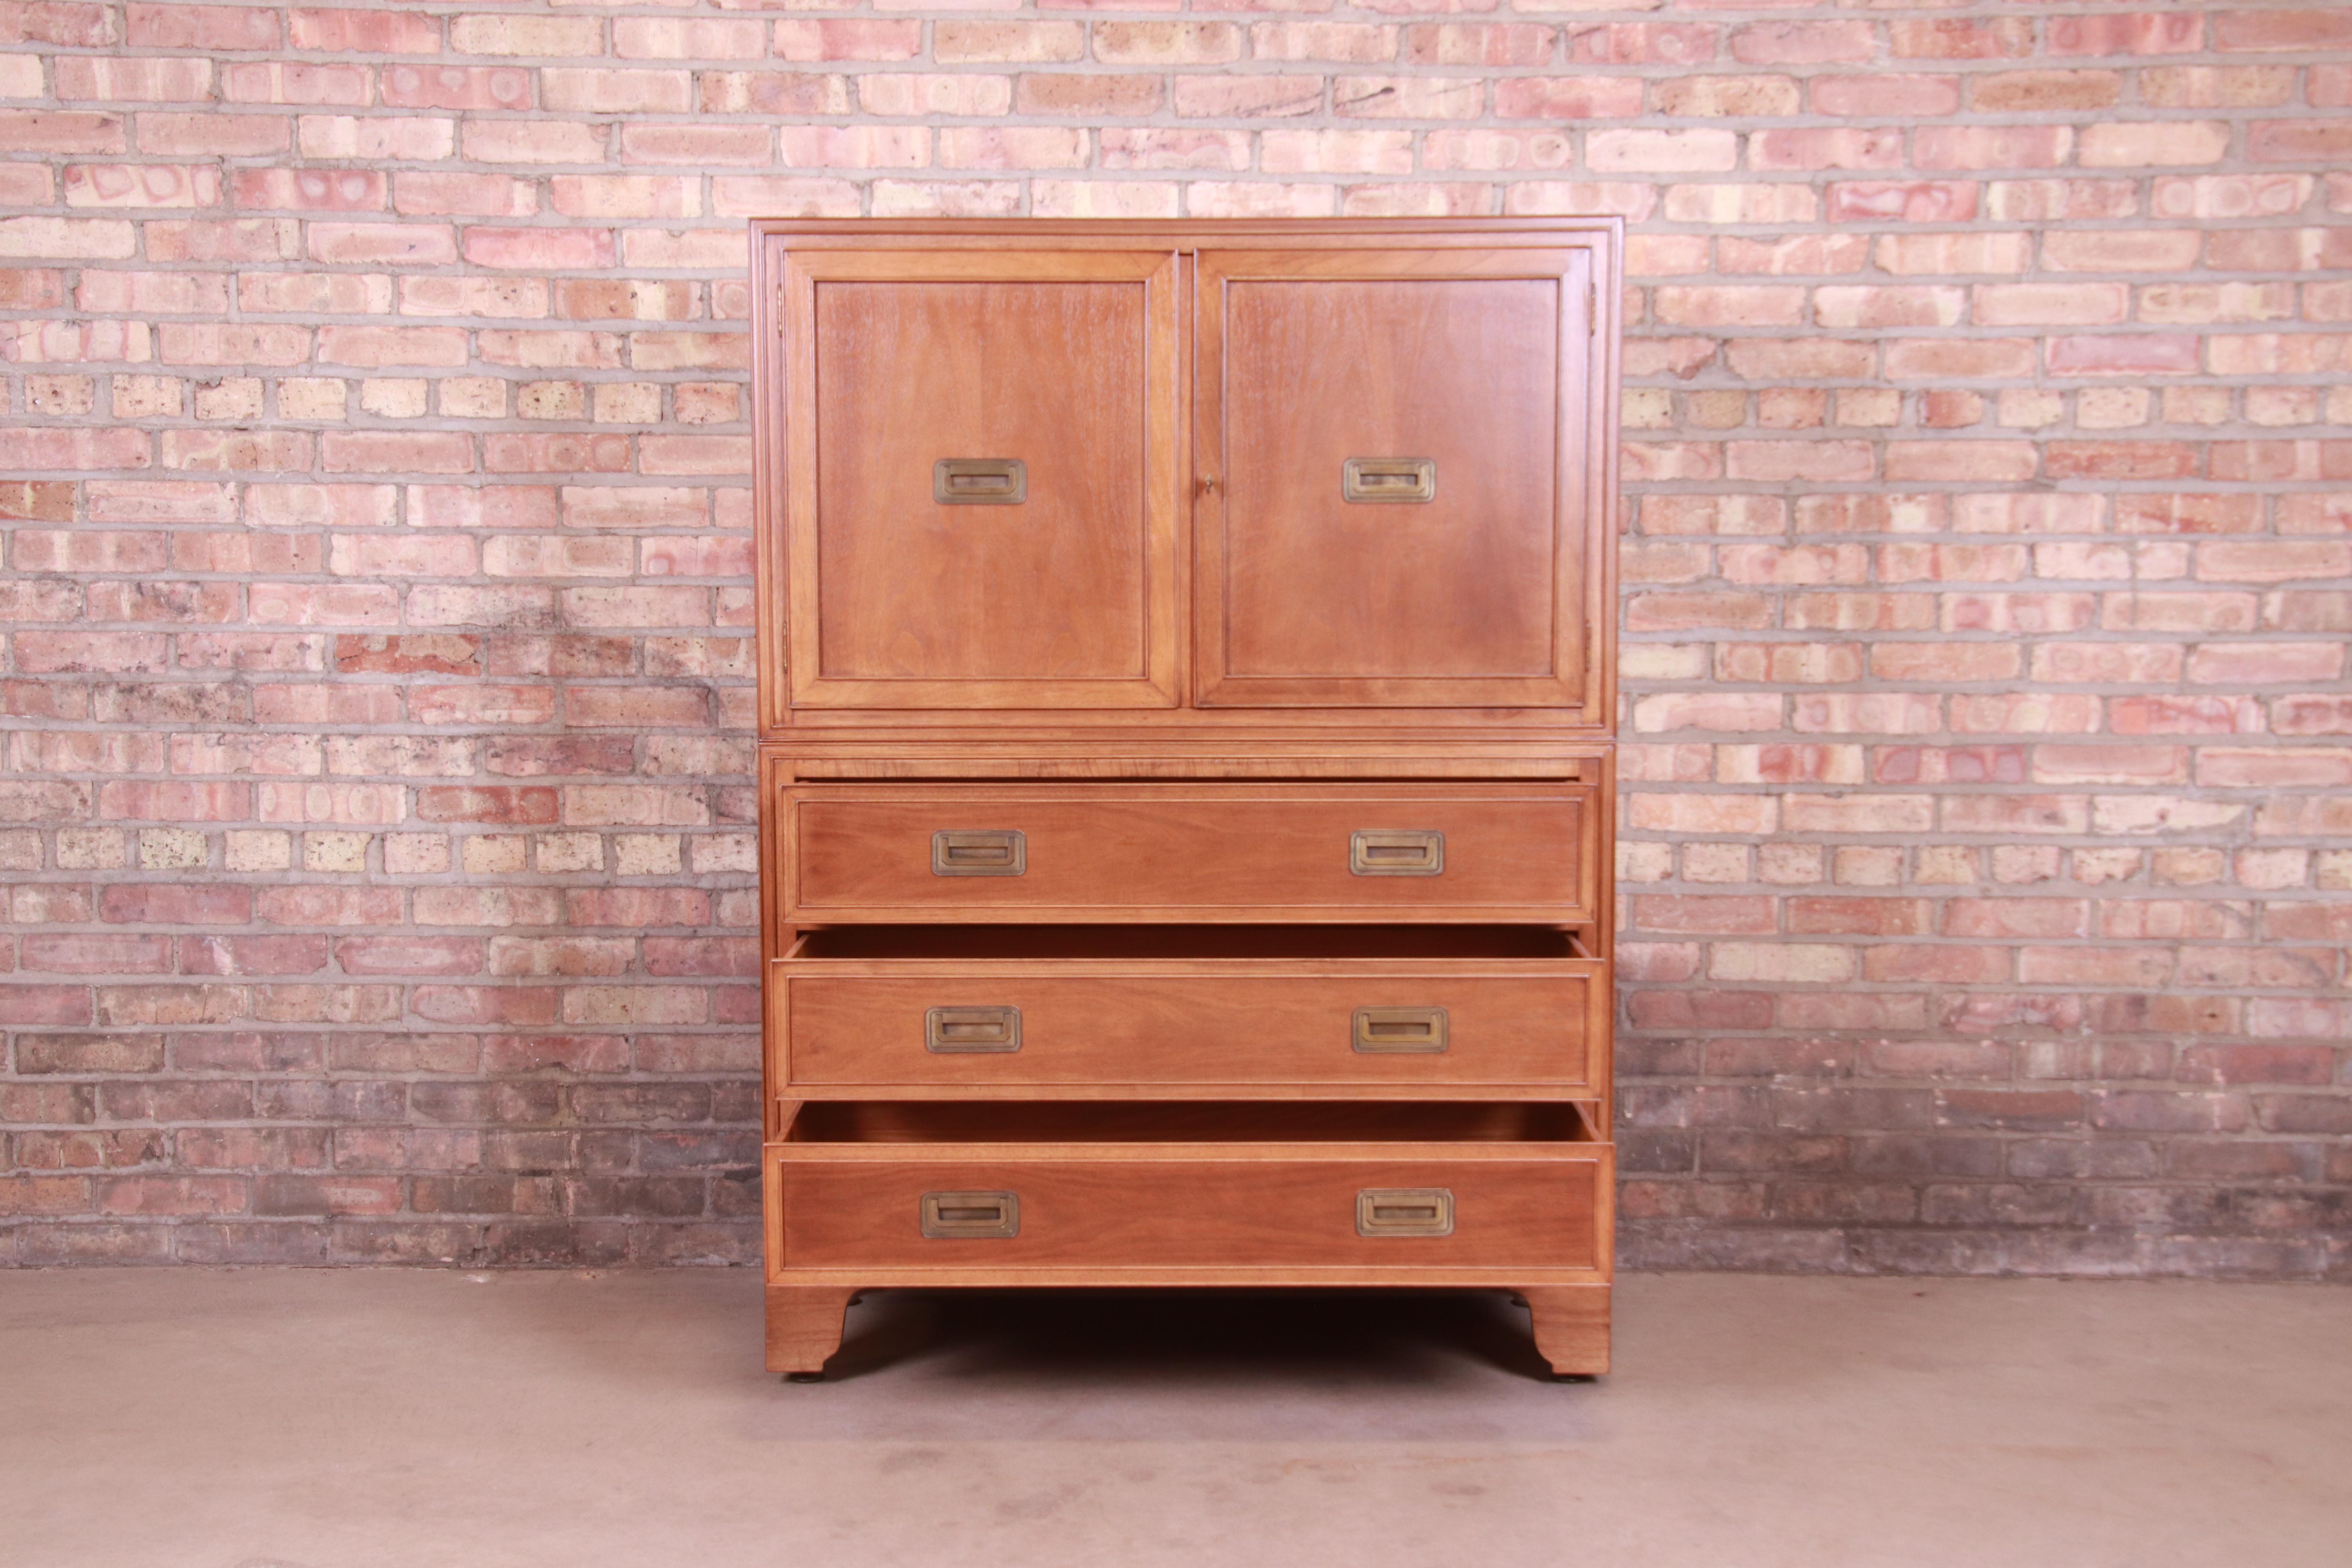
(1292, 852)
(1466, 1193)
(1013, 1012)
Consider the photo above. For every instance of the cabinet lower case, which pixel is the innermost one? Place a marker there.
(869, 1195)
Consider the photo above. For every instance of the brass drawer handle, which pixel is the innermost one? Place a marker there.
(979, 482)
(1396, 852)
(1389, 479)
(971, 1029)
(1404, 1211)
(1401, 1030)
(948, 1216)
(1002, 852)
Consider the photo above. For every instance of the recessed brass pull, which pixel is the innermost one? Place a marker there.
(996, 852)
(1404, 1211)
(948, 1216)
(1396, 852)
(1389, 479)
(973, 1029)
(979, 482)
(1400, 1029)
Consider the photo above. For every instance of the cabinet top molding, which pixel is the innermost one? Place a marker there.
(1177, 231)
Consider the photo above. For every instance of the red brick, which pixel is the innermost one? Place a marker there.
(74, 26)
(304, 954)
(596, 90)
(1842, 306)
(388, 244)
(999, 40)
(225, 28)
(1743, 305)
(476, 803)
(133, 81)
(847, 38)
(1825, 148)
(1954, 38)
(172, 1194)
(55, 131)
(365, 32)
(27, 1004)
(373, 451)
(145, 903)
(1876, 96)
(277, 82)
(1858, 917)
(227, 135)
(1567, 97)
(1479, 44)
(1727, 915)
(1075, 93)
(2243, 31)
(2299, 140)
(1660, 151)
(2121, 459)
(770, 92)
(716, 956)
(2122, 354)
(1910, 201)
(1641, 42)
(523, 1005)
(1991, 146)
(1938, 359)
(2044, 91)
(1937, 963)
(538, 248)
(1802, 42)
(2146, 33)
(2139, 144)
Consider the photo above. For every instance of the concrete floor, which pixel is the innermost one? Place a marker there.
(400, 1419)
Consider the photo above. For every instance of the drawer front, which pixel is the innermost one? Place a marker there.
(1407, 1210)
(1383, 1026)
(982, 490)
(1237, 852)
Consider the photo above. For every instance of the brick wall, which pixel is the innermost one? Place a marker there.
(374, 807)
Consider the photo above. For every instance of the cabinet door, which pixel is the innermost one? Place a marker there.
(980, 484)
(1395, 452)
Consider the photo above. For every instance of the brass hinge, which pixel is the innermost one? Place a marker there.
(1592, 308)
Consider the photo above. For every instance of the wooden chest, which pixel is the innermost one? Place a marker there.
(1186, 701)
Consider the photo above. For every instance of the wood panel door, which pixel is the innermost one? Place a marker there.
(1397, 478)
(981, 477)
